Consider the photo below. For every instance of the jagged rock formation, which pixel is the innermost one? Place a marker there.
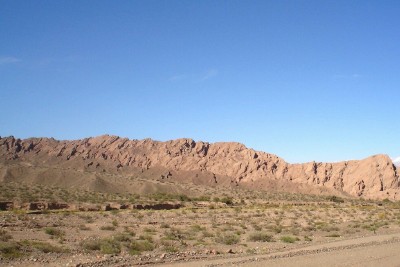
(184, 160)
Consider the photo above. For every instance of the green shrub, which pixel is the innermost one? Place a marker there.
(227, 200)
(307, 238)
(91, 244)
(277, 229)
(106, 245)
(164, 225)
(54, 232)
(333, 235)
(336, 199)
(138, 246)
(169, 246)
(123, 237)
(260, 237)
(289, 239)
(10, 250)
(110, 246)
(43, 246)
(197, 228)
(227, 239)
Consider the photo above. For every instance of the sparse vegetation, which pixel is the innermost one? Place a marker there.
(236, 220)
(139, 246)
(10, 250)
(227, 238)
(260, 237)
(108, 228)
(54, 232)
(289, 239)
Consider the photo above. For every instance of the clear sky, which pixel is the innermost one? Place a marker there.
(306, 80)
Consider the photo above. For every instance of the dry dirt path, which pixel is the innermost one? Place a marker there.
(378, 250)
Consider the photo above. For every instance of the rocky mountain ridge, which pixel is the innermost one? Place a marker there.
(217, 164)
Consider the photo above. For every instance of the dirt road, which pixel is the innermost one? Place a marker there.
(379, 250)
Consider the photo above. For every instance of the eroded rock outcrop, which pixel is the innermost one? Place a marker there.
(211, 164)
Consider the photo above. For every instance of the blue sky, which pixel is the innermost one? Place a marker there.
(306, 80)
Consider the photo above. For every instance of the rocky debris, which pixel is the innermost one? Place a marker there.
(6, 205)
(40, 206)
(157, 206)
(230, 251)
(90, 207)
(35, 206)
(220, 164)
(166, 175)
(57, 206)
(105, 207)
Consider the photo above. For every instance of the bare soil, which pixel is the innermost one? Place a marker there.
(249, 229)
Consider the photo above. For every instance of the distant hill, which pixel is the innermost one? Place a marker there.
(113, 164)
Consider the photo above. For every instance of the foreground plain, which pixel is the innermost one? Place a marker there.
(220, 227)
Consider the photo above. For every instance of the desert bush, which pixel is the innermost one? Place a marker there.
(146, 237)
(91, 244)
(206, 233)
(110, 246)
(260, 237)
(138, 246)
(169, 246)
(106, 245)
(10, 250)
(202, 198)
(326, 227)
(197, 228)
(276, 228)
(54, 232)
(123, 237)
(256, 226)
(333, 235)
(336, 199)
(289, 239)
(87, 218)
(227, 238)
(108, 228)
(129, 231)
(307, 238)
(4, 235)
(172, 234)
(227, 200)
(164, 225)
(43, 246)
(179, 234)
(149, 230)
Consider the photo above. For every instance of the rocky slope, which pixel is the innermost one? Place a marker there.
(100, 162)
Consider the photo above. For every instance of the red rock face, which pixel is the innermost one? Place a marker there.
(221, 163)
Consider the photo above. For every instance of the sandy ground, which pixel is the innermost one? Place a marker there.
(379, 250)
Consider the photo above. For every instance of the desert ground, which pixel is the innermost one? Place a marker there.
(110, 201)
(231, 227)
